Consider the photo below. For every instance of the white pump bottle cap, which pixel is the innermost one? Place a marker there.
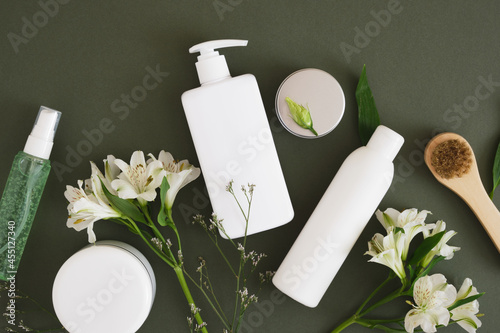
(211, 66)
(41, 139)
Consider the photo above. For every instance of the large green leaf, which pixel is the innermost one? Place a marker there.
(124, 206)
(425, 247)
(368, 118)
(496, 172)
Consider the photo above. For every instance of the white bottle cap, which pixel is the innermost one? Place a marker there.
(41, 139)
(386, 141)
(107, 287)
(211, 66)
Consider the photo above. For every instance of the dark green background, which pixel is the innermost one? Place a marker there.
(428, 59)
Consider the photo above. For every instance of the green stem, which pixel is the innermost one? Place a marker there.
(182, 281)
(212, 291)
(313, 130)
(357, 317)
(156, 232)
(384, 321)
(174, 228)
(240, 269)
(152, 225)
(237, 288)
(200, 287)
(241, 208)
(345, 324)
(389, 278)
(369, 323)
(178, 271)
(170, 261)
(222, 254)
(395, 294)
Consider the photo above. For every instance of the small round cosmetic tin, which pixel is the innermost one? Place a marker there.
(107, 287)
(320, 93)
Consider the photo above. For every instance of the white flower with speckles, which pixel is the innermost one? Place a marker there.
(138, 180)
(432, 297)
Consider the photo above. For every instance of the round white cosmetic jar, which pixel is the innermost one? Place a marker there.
(106, 287)
(316, 90)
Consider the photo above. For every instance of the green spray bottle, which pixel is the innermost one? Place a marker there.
(23, 191)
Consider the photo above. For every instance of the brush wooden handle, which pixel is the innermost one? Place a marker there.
(485, 210)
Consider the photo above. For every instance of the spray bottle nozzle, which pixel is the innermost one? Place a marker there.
(211, 66)
(41, 139)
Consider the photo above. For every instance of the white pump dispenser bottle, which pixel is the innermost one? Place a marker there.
(339, 218)
(233, 141)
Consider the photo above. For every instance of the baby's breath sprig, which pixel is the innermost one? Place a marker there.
(249, 260)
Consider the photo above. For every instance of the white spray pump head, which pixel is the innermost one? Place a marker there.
(211, 66)
(41, 139)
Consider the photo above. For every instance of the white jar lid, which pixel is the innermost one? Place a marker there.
(317, 90)
(108, 287)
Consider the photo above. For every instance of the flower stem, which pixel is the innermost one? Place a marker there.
(170, 261)
(389, 278)
(313, 130)
(357, 317)
(221, 314)
(345, 324)
(182, 281)
(174, 228)
(222, 254)
(395, 294)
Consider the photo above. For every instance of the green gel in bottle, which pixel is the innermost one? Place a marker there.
(23, 191)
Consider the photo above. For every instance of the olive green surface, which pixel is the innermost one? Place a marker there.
(432, 65)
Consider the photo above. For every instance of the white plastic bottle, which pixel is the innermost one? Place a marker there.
(233, 141)
(339, 218)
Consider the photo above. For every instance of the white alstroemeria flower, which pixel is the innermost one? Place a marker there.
(465, 315)
(387, 251)
(441, 248)
(138, 180)
(86, 208)
(432, 297)
(178, 174)
(411, 221)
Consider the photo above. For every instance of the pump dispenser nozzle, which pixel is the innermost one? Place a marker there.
(211, 66)
(41, 139)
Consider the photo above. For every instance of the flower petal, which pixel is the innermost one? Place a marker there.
(124, 189)
(111, 170)
(137, 159)
(91, 235)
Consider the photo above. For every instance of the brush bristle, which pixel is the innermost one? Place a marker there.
(452, 159)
